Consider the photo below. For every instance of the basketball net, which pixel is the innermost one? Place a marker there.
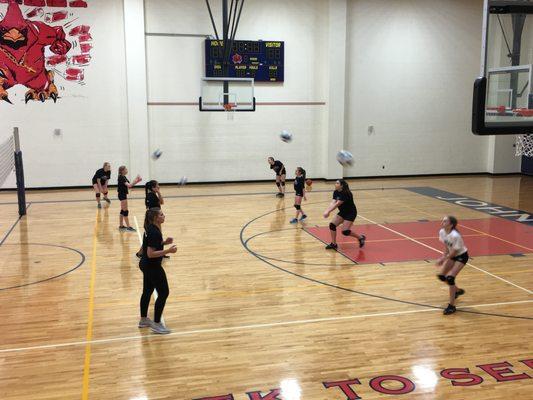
(230, 110)
(524, 145)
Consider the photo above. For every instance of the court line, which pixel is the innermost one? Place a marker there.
(496, 237)
(89, 336)
(82, 260)
(13, 226)
(438, 251)
(185, 196)
(324, 283)
(461, 224)
(254, 326)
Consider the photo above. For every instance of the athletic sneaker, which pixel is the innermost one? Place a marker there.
(332, 246)
(449, 310)
(107, 200)
(362, 241)
(145, 322)
(99, 205)
(459, 292)
(138, 254)
(303, 217)
(131, 229)
(293, 221)
(122, 228)
(158, 327)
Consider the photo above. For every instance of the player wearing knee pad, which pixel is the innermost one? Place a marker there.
(100, 180)
(123, 189)
(454, 258)
(343, 200)
(299, 190)
(281, 174)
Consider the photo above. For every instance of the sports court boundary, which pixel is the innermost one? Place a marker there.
(313, 280)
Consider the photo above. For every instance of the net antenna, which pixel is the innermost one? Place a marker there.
(11, 160)
(230, 22)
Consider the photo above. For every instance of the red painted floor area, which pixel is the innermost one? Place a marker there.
(483, 237)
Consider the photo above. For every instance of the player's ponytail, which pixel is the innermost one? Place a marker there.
(149, 186)
(302, 171)
(453, 222)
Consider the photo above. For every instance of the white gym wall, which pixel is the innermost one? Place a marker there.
(405, 67)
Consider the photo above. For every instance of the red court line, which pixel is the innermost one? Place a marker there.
(384, 246)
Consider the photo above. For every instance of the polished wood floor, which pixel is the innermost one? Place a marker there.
(251, 326)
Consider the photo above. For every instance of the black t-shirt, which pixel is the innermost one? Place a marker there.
(299, 183)
(152, 238)
(122, 188)
(102, 175)
(278, 167)
(152, 201)
(348, 205)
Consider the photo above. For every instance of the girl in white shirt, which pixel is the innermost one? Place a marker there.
(453, 259)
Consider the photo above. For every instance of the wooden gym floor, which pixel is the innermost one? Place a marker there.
(258, 308)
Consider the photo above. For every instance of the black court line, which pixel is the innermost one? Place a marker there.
(185, 196)
(13, 226)
(82, 260)
(307, 278)
(351, 264)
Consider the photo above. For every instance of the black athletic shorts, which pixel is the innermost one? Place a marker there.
(462, 258)
(122, 196)
(301, 194)
(348, 216)
(282, 172)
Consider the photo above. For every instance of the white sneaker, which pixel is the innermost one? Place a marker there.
(158, 327)
(145, 322)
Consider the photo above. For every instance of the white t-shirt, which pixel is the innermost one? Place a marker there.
(453, 241)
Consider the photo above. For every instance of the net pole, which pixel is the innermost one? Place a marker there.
(19, 174)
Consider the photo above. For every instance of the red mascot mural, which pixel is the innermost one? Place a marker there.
(22, 55)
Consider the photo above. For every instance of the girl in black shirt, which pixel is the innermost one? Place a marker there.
(299, 189)
(153, 195)
(100, 180)
(154, 276)
(153, 199)
(343, 200)
(123, 189)
(281, 174)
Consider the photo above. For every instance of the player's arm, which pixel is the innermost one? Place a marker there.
(99, 183)
(153, 253)
(159, 196)
(334, 204)
(444, 256)
(135, 181)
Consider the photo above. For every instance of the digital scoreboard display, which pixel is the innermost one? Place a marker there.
(261, 60)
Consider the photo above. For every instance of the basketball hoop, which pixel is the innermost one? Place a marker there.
(230, 110)
(524, 145)
(229, 106)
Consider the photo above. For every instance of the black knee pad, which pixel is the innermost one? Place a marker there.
(332, 226)
(450, 280)
(347, 232)
(442, 278)
(124, 213)
(278, 184)
(105, 194)
(282, 183)
(298, 207)
(97, 195)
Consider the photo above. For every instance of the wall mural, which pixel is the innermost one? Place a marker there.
(42, 43)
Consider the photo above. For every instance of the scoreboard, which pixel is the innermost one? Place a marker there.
(261, 60)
